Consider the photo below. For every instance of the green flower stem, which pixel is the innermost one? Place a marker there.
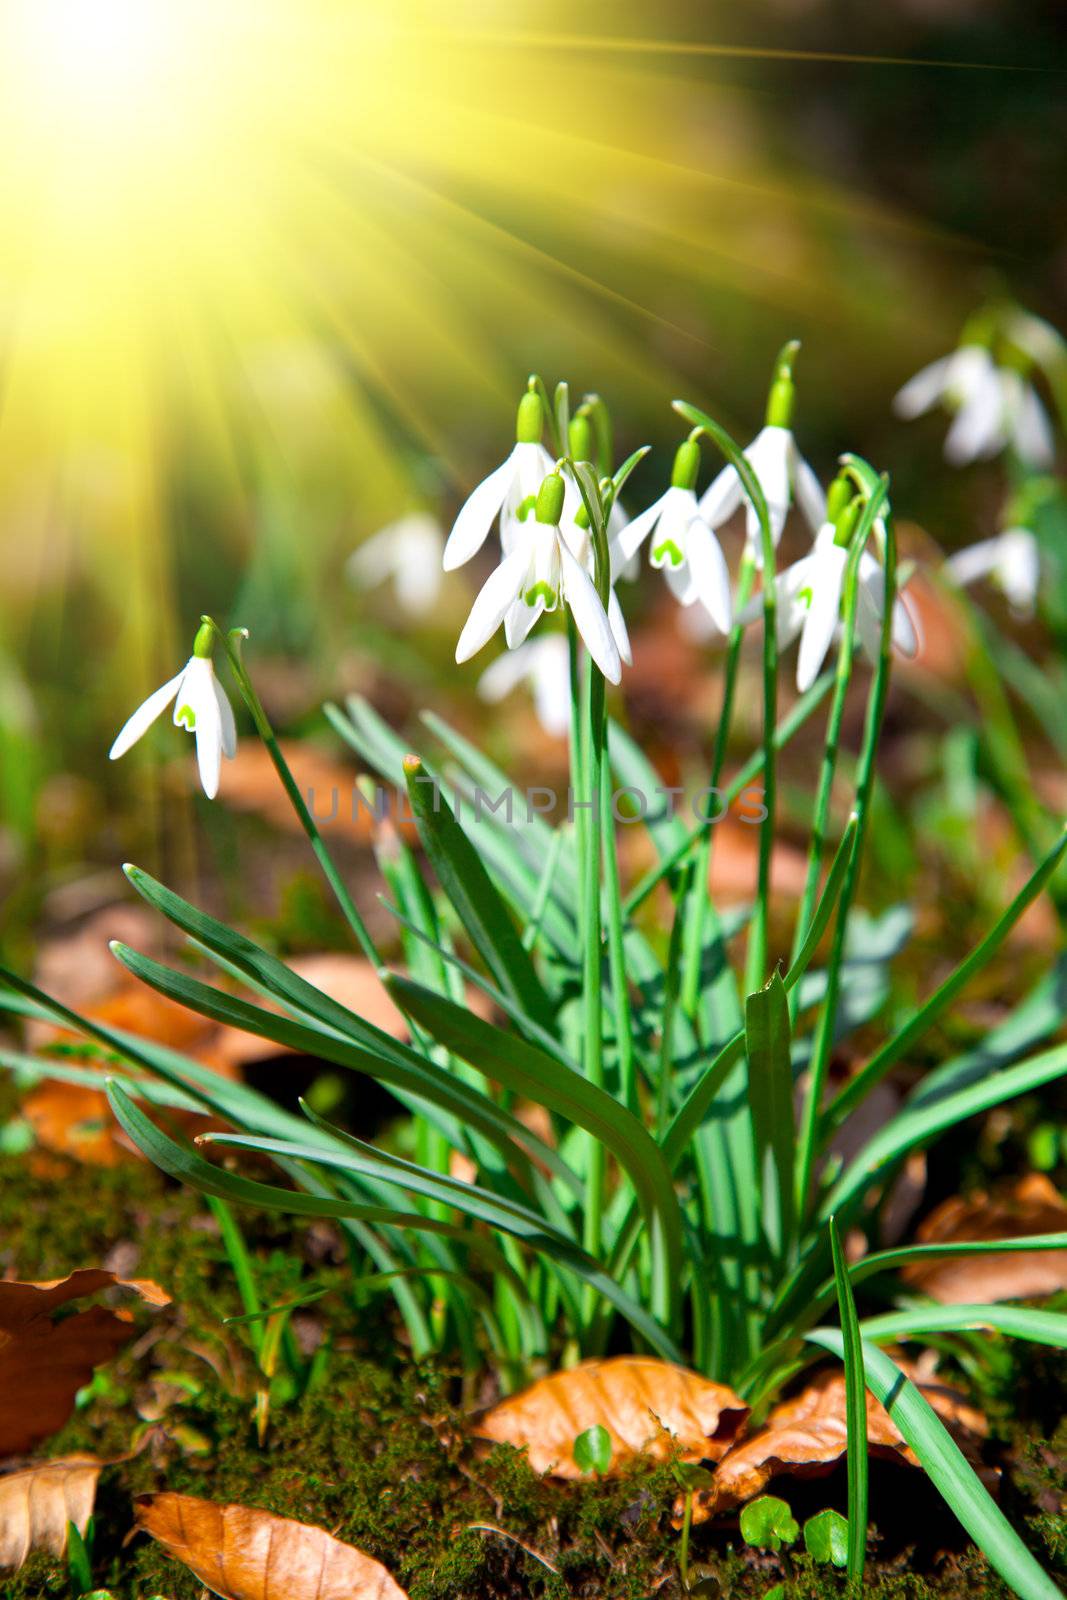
(696, 923)
(842, 679)
(307, 822)
(756, 955)
(824, 1037)
(620, 988)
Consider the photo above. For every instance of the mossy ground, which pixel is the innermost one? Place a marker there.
(375, 1451)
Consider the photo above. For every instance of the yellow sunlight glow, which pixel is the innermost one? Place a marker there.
(279, 249)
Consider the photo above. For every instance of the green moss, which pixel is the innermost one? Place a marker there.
(377, 1452)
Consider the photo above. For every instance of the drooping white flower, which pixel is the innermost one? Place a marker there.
(808, 598)
(544, 666)
(783, 473)
(536, 574)
(994, 406)
(1010, 559)
(683, 545)
(510, 491)
(201, 708)
(407, 553)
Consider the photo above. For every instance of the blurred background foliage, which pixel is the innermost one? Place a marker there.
(276, 278)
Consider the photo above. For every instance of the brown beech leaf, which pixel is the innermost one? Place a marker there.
(1031, 1205)
(37, 1502)
(43, 1363)
(244, 1554)
(807, 1437)
(648, 1407)
(350, 980)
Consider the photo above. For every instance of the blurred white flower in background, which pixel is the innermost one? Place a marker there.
(543, 666)
(994, 406)
(407, 553)
(1010, 560)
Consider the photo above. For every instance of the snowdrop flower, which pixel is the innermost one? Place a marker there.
(544, 666)
(537, 572)
(407, 553)
(781, 469)
(683, 545)
(1010, 560)
(808, 594)
(994, 405)
(202, 709)
(510, 490)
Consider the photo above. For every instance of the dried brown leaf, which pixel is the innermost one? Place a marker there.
(43, 1363)
(1031, 1205)
(37, 1502)
(648, 1407)
(807, 1436)
(245, 1554)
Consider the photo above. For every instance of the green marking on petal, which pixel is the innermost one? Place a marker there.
(807, 595)
(186, 718)
(667, 550)
(527, 507)
(541, 591)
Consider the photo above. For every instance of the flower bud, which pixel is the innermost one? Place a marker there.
(550, 499)
(846, 521)
(782, 398)
(530, 421)
(838, 496)
(686, 465)
(581, 437)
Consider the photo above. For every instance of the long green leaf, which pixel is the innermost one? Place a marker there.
(855, 1411)
(477, 903)
(770, 1098)
(522, 1067)
(949, 1470)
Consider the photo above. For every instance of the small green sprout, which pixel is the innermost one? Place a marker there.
(592, 1449)
(768, 1523)
(826, 1538)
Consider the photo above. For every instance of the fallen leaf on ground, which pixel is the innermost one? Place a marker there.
(44, 1362)
(75, 1120)
(647, 1406)
(37, 1502)
(807, 1437)
(327, 786)
(1031, 1205)
(350, 980)
(244, 1554)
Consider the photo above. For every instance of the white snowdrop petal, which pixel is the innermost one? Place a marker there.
(476, 516)
(519, 622)
(711, 576)
(973, 562)
(721, 498)
(1032, 431)
(1019, 568)
(978, 427)
(226, 720)
(809, 492)
(822, 618)
(638, 529)
(209, 753)
(496, 596)
(924, 389)
(505, 674)
(589, 616)
(619, 631)
(144, 716)
(868, 624)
